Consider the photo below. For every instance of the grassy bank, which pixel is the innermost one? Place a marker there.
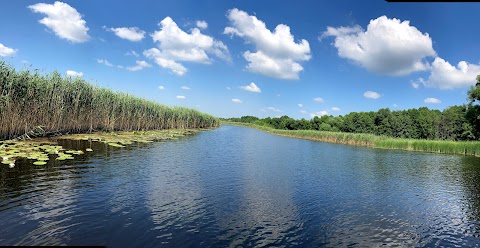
(371, 140)
(29, 99)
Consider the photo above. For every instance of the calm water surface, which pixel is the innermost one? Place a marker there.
(236, 186)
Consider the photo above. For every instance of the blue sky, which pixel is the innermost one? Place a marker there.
(304, 58)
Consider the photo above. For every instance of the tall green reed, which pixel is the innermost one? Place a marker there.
(29, 99)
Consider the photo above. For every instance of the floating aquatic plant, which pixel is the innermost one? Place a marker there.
(41, 151)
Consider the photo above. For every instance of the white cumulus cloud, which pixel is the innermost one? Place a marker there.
(74, 73)
(274, 109)
(128, 33)
(319, 113)
(236, 100)
(443, 75)
(140, 65)
(104, 61)
(181, 97)
(6, 51)
(277, 55)
(132, 53)
(371, 95)
(164, 62)
(300, 105)
(388, 46)
(432, 100)
(161, 87)
(340, 31)
(185, 88)
(64, 20)
(202, 24)
(176, 45)
(335, 109)
(263, 64)
(318, 99)
(252, 87)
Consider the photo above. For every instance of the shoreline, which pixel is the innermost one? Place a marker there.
(471, 148)
(32, 103)
(43, 150)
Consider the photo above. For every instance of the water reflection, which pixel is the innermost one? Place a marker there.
(267, 214)
(174, 195)
(236, 186)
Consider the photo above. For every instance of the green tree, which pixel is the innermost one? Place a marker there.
(286, 123)
(349, 123)
(382, 122)
(427, 123)
(473, 111)
(316, 122)
(452, 126)
(303, 124)
(474, 92)
(325, 127)
(248, 119)
(401, 124)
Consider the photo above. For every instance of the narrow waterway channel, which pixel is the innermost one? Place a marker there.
(240, 186)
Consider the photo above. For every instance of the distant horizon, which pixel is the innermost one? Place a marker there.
(374, 111)
(257, 59)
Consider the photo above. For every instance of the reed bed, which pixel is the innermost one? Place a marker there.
(359, 139)
(29, 99)
(371, 140)
(435, 146)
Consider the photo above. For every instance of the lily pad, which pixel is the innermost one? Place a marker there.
(115, 145)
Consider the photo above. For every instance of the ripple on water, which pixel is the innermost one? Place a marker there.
(240, 187)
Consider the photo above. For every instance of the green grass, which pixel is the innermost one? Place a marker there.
(371, 140)
(436, 146)
(29, 99)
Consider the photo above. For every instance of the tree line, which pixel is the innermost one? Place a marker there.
(454, 123)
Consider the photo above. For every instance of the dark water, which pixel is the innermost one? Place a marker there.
(236, 186)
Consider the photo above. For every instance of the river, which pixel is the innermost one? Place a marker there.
(236, 186)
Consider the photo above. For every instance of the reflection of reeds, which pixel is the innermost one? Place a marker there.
(360, 139)
(29, 99)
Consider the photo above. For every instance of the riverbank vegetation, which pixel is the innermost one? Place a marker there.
(454, 130)
(376, 141)
(455, 123)
(72, 105)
